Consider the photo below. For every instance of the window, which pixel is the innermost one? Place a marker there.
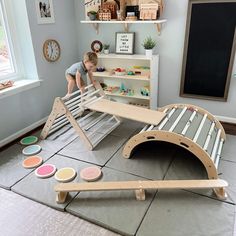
(7, 65)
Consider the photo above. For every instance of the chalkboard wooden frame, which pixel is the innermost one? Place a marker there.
(232, 57)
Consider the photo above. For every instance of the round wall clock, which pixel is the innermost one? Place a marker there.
(96, 46)
(51, 50)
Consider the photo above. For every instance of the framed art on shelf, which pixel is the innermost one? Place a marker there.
(44, 11)
(125, 42)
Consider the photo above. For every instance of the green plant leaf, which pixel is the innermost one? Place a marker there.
(149, 43)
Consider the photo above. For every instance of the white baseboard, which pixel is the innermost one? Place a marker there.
(22, 132)
(226, 119)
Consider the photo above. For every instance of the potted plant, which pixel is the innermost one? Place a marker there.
(148, 45)
(92, 15)
(106, 48)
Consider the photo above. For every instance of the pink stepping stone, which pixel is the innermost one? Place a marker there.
(45, 171)
(91, 173)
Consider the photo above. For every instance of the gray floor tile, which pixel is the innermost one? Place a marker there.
(227, 171)
(100, 155)
(42, 190)
(57, 140)
(178, 213)
(11, 169)
(229, 148)
(115, 210)
(150, 160)
(126, 129)
(187, 166)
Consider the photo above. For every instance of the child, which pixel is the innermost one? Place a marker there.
(77, 73)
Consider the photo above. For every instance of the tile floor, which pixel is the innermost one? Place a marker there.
(164, 213)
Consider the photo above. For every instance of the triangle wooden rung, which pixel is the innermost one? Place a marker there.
(68, 111)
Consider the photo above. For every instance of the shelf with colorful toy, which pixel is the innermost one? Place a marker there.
(124, 91)
(96, 23)
(141, 87)
(136, 96)
(107, 74)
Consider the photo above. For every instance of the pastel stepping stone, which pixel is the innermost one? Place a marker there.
(91, 173)
(31, 150)
(45, 171)
(29, 140)
(32, 162)
(66, 174)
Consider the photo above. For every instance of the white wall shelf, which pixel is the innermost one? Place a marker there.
(136, 96)
(133, 82)
(122, 56)
(96, 23)
(106, 74)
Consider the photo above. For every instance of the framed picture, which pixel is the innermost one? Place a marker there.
(125, 43)
(44, 11)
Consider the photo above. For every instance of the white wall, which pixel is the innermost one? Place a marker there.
(22, 110)
(170, 47)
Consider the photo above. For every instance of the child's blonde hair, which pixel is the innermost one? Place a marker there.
(92, 57)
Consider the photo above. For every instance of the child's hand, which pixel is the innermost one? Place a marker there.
(82, 89)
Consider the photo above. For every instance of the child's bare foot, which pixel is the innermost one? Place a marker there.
(67, 97)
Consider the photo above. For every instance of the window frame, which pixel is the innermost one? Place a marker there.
(11, 37)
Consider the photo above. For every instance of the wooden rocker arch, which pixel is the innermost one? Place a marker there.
(208, 152)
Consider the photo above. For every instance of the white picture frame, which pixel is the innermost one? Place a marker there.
(125, 43)
(44, 11)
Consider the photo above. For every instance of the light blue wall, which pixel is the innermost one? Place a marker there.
(23, 109)
(170, 47)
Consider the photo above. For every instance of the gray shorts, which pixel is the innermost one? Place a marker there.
(73, 76)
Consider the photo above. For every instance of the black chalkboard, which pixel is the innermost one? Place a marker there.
(209, 49)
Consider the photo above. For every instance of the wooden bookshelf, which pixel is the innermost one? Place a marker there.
(133, 82)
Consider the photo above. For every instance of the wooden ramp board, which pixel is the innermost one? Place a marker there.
(128, 111)
(133, 185)
(140, 186)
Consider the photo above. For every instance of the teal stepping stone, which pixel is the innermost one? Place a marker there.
(31, 150)
(29, 140)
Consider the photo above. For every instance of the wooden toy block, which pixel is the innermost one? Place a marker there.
(104, 14)
(159, 2)
(148, 11)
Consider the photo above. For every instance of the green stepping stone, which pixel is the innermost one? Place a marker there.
(29, 140)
